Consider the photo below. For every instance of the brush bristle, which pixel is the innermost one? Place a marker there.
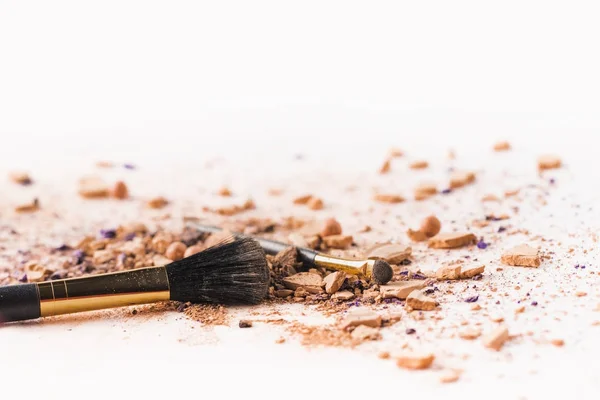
(234, 271)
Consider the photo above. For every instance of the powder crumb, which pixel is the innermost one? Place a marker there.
(416, 236)
(20, 178)
(331, 227)
(119, 190)
(417, 300)
(28, 207)
(384, 355)
(449, 272)
(419, 164)
(558, 342)
(157, 202)
(470, 333)
(451, 240)
(496, 339)
(502, 146)
(581, 294)
(362, 333)
(450, 376)
(236, 209)
(430, 226)
(303, 199)
(388, 198)
(425, 191)
(549, 161)
(244, 323)
(280, 340)
(105, 164)
(385, 168)
(459, 179)
(92, 187)
(396, 152)
(315, 203)
(415, 361)
(360, 316)
(224, 192)
(521, 256)
(338, 241)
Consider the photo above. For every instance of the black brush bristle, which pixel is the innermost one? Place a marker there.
(232, 272)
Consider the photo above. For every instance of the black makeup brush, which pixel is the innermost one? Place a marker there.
(232, 272)
(379, 271)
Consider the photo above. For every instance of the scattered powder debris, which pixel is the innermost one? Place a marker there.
(244, 323)
(119, 190)
(502, 146)
(386, 167)
(417, 300)
(549, 161)
(28, 207)
(20, 178)
(157, 202)
(93, 187)
(461, 178)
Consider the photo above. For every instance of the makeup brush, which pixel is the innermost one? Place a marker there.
(379, 271)
(232, 272)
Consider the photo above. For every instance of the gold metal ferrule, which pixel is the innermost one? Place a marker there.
(363, 268)
(139, 286)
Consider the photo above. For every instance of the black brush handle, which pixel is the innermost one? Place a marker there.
(19, 302)
(307, 256)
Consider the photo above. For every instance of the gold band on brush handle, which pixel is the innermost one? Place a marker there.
(362, 268)
(139, 286)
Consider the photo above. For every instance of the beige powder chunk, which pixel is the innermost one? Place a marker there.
(449, 272)
(303, 199)
(388, 198)
(236, 209)
(502, 146)
(283, 292)
(419, 164)
(338, 241)
(490, 197)
(415, 361)
(425, 190)
(471, 271)
(416, 236)
(385, 168)
(224, 191)
(522, 256)
(28, 207)
(400, 290)
(549, 161)
(92, 187)
(558, 342)
(175, 251)
(450, 376)
(470, 333)
(417, 300)
(157, 202)
(430, 226)
(496, 339)
(460, 178)
(20, 177)
(190, 251)
(313, 283)
(315, 204)
(384, 355)
(331, 227)
(102, 256)
(511, 192)
(396, 152)
(362, 333)
(334, 281)
(392, 253)
(343, 295)
(361, 316)
(451, 240)
(35, 272)
(119, 190)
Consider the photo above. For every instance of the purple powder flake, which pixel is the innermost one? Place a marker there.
(501, 229)
(534, 303)
(446, 191)
(419, 276)
(129, 236)
(481, 244)
(129, 166)
(472, 299)
(79, 256)
(108, 233)
(410, 331)
(23, 278)
(63, 247)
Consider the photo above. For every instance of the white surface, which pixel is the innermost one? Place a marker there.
(169, 82)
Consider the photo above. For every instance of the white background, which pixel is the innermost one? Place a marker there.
(161, 75)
